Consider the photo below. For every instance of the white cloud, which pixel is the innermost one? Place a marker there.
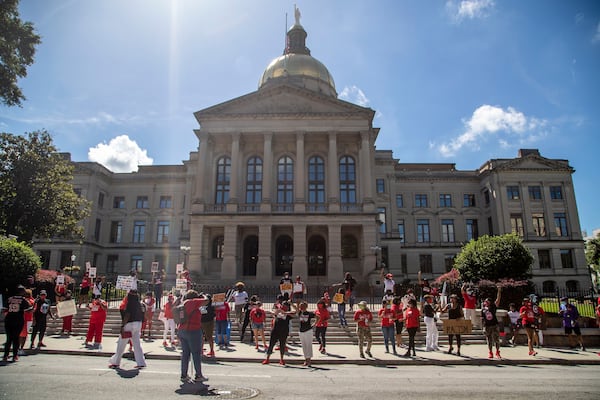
(469, 9)
(121, 154)
(354, 95)
(596, 38)
(509, 125)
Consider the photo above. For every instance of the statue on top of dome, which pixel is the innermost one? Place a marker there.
(297, 14)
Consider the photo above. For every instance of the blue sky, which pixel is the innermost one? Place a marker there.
(452, 81)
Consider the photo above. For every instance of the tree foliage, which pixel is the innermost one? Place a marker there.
(17, 48)
(494, 258)
(592, 252)
(17, 262)
(36, 190)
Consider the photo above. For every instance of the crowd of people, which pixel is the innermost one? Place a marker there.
(197, 322)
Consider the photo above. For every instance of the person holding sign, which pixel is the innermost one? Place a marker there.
(41, 310)
(239, 298)
(84, 289)
(298, 291)
(339, 299)
(60, 287)
(455, 312)
(285, 285)
(490, 323)
(98, 311)
(131, 327)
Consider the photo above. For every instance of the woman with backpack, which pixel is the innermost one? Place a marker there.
(189, 331)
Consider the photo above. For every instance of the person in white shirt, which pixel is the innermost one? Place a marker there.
(239, 298)
(388, 282)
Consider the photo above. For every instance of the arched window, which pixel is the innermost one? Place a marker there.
(222, 181)
(349, 247)
(254, 181)
(347, 180)
(549, 286)
(285, 180)
(218, 247)
(250, 256)
(317, 257)
(316, 180)
(572, 286)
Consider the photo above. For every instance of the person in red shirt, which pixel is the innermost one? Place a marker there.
(363, 317)
(411, 320)
(470, 303)
(221, 321)
(190, 335)
(150, 305)
(67, 320)
(322, 314)
(528, 320)
(397, 308)
(387, 317)
(169, 322)
(84, 290)
(258, 317)
(28, 316)
(98, 310)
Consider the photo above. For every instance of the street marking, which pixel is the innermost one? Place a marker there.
(147, 371)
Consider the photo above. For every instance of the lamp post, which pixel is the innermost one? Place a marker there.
(377, 250)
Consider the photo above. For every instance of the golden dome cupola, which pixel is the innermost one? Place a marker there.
(297, 67)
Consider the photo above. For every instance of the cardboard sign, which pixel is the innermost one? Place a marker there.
(179, 268)
(218, 298)
(88, 265)
(285, 287)
(66, 308)
(181, 284)
(92, 272)
(338, 298)
(154, 266)
(457, 326)
(125, 282)
(60, 279)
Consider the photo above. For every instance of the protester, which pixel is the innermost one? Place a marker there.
(131, 327)
(349, 284)
(239, 298)
(98, 311)
(41, 310)
(207, 313)
(388, 282)
(515, 323)
(387, 317)
(305, 332)
(28, 322)
(470, 301)
(570, 317)
(425, 286)
(97, 288)
(363, 317)
(60, 286)
(169, 321)
(221, 322)
(84, 290)
(489, 322)
(251, 304)
(298, 291)
(157, 281)
(14, 320)
(279, 333)
(411, 319)
(528, 321)
(285, 285)
(67, 320)
(429, 310)
(339, 298)
(455, 311)
(258, 317)
(150, 307)
(322, 315)
(398, 310)
(190, 335)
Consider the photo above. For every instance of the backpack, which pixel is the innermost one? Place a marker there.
(179, 315)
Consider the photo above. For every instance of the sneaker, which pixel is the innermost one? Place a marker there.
(165, 343)
(532, 353)
(498, 354)
(369, 353)
(200, 379)
(211, 353)
(363, 356)
(185, 378)
(5, 359)
(113, 366)
(281, 362)
(99, 346)
(429, 349)
(265, 361)
(458, 353)
(21, 352)
(15, 358)
(41, 345)
(323, 351)
(490, 355)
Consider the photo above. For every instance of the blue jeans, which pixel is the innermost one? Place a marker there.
(191, 344)
(342, 314)
(221, 331)
(388, 335)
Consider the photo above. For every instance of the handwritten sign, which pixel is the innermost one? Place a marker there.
(66, 308)
(88, 265)
(60, 279)
(285, 287)
(92, 272)
(457, 326)
(179, 268)
(154, 266)
(338, 298)
(181, 284)
(218, 298)
(125, 282)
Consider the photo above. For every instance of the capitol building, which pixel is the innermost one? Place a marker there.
(288, 178)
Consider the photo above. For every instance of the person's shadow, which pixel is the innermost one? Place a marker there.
(127, 373)
(196, 389)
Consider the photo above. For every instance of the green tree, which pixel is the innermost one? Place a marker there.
(17, 261)
(36, 190)
(17, 48)
(592, 255)
(494, 258)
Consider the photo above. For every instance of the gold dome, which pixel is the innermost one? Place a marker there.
(303, 66)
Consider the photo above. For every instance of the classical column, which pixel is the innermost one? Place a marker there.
(335, 267)
(196, 248)
(333, 175)
(267, 173)
(235, 173)
(370, 239)
(299, 267)
(264, 267)
(299, 178)
(229, 265)
(364, 165)
(202, 168)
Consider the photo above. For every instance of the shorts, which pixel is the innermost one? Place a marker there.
(399, 327)
(84, 291)
(258, 325)
(27, 328)
(298, 296)
(575, 329)
(208, 328)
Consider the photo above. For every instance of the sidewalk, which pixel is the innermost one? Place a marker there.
(474, 354)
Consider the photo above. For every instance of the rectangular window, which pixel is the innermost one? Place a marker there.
(516, 224)
(116, 232)
(420, 200)
(97, 229)
(166, 202)
(100, 200)
(381, 218)
(472, 229)
(111, 264)
(401, 231)
(449, 261)
(566, 258)
(162, 232)
(404, 263)
(544, 259)
(556, 193)
(136, 263)
(539, 225)
(423, 230)
(142, 202)
(535, 193)
(399, 201)
(139, 232)
(45, 258)
(380, 183)
(560, 223)
(512, 192)
(448, 231)
(445, 200)
(469, 200)
(119, 202)
(425, 263)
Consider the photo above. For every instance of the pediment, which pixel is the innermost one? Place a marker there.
(423, 211)
(448, 211)
(281, 100)
(534, 162)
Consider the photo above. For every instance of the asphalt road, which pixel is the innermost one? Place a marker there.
(79, 377)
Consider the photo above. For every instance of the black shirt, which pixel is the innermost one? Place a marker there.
(305, 320)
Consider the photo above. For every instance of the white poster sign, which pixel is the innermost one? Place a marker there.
(179, 269)
(60, 279)
(88, 265)
(66, 308)
(125, 282)
(154, 266)
(181, 284)
(92, 272)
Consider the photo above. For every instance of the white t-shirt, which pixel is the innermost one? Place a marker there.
(388, 284)
(239, 297)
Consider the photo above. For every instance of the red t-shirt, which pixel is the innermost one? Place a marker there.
(97, 313)
(363, 317)
(258, 315)
(386, 316)
(527, 314)
(397, 308)
(194, 316)
(322, 317)
(169, 310)
(470, 300)
(411, 317)
(28, 315)
(85, 283)
(221, 312)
